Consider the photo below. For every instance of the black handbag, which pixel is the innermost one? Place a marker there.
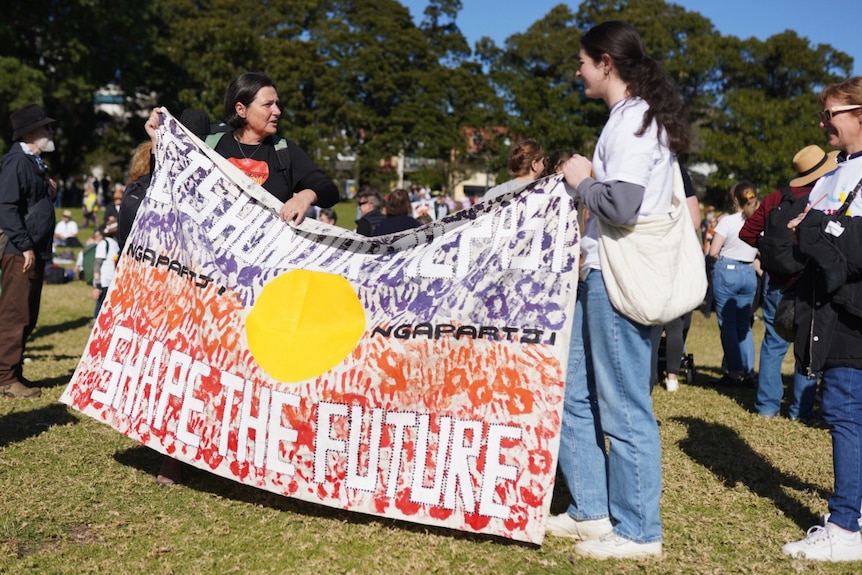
(784, 321)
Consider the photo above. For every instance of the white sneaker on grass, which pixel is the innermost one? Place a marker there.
(613, 546)
(826, 544)
(563, 525)
(671, 384)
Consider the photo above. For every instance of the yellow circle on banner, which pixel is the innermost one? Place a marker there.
(303, 324)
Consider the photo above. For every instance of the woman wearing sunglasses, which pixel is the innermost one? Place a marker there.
(829, 319)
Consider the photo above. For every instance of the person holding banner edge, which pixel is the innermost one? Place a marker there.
(616, 495)
(251, 110)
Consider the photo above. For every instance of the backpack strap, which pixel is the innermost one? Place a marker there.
(280, 145)
(212, 140)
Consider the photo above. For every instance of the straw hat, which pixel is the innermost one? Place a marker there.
(810, 163)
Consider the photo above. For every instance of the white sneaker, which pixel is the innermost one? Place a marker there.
(671, 384)
(563, 525)
(826, 544)
(612, 546)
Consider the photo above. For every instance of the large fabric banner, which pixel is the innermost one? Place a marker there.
(417, 376)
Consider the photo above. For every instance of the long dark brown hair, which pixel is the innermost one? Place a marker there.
(644, 77)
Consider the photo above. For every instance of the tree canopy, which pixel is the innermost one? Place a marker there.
(367, 80)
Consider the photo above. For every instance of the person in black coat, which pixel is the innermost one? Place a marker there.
(369, 203)
(397, 207)
(27, 221)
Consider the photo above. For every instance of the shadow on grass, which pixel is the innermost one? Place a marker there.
(148, 461)
(722, 451)
(46, 330)
(15, 427)
(743, 395)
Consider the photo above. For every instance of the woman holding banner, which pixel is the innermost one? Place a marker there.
(280, 166)
(615, 508)
(253, 145)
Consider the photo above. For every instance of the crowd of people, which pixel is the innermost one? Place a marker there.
(610, 453)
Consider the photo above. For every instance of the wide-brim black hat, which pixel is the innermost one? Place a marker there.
(28, 119)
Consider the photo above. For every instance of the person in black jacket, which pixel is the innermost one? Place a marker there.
(828, 319)
(252, 112)
(398, 209)
(369, 202)
(253, 145)
(27, 221)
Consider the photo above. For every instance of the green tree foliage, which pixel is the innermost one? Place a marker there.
(19, 85)
(69, 49)
(536, 73)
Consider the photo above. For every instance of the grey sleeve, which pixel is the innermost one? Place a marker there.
(615, 202)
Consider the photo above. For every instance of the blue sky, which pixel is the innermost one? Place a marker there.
(835, 23)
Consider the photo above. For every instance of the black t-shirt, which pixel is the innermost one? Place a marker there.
(259, 162)
(262, 165)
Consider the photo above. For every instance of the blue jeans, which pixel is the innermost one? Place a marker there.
(618, 353)
(583, 460)
(770, 386)
(842, 410)
(733, 285)
(804, 392)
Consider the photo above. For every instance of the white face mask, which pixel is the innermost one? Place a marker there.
(45, 143)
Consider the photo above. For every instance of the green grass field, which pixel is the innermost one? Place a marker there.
(78, 497)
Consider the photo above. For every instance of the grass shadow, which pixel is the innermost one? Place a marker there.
(723, 452)
(743, 395)
(18, 426)
(46, 330)
(148, 461)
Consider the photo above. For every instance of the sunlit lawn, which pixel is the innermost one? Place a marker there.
(78, 497)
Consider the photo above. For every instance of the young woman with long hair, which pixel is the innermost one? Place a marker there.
(615, 508)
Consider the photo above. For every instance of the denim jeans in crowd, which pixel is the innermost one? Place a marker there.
(733, 285)
(773, 348)
(804, 392)
(770, 386)
(842, 410)
(618, 352)
(582, 444)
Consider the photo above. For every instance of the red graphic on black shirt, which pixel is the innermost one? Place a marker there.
(257, 170)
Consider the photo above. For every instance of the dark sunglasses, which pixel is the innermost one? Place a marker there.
(827, 114)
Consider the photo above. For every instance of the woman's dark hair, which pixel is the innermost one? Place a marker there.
(644, 77)
(397, 203)
(243, 89)
(522, 155)
(556, 160)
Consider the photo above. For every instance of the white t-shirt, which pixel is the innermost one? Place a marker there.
(642, 160)
(734, 248)
(108, 250)
(66, 229)
(831, 190)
